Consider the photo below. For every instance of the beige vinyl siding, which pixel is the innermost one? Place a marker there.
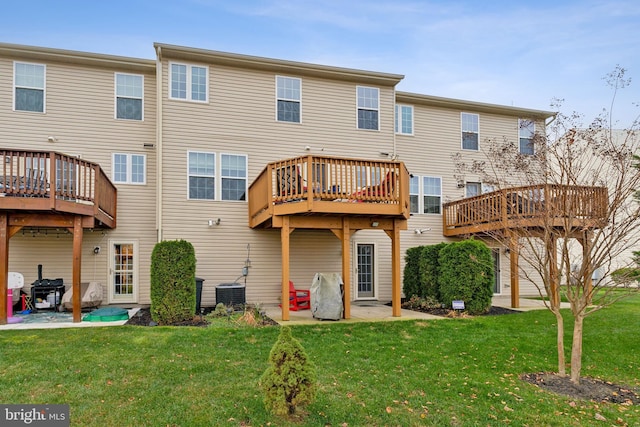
(80, 101)
(240, 118)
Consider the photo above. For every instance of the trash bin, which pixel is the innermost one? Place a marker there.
(198, 293)
(230, 294)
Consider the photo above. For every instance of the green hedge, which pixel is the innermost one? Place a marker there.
(430, 270)
(173, 282)
(466, 273)
(411, 275)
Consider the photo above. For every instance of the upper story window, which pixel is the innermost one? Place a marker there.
(129, 168)
(188, 82)
(470, 131)
(526, 130)
(233, 171)
(29, 84)
(404, 119)
(288, 96)
(368, 106)
(129, 96)
(201, 173)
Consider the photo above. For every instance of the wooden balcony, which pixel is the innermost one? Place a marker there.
(34, 183)
(527, 207)
(318, 186)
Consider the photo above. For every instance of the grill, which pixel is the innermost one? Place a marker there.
(41, 288)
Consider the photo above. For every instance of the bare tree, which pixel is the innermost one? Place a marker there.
(569, 211)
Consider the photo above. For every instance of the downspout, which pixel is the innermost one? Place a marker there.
(159, 156)
(394, 155)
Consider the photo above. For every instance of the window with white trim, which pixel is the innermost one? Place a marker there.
(470, 131)
(129, 96)
(129, 168)
(526, 130)
(472, 189)
(414, 194)
(288, 99)
(233, 175)
(404, 119)
(425, 194)
(188, 82)
(368, 107)
(201, 175)
(432, 194)
(29, 87)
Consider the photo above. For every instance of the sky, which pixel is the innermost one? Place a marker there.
(518, 53)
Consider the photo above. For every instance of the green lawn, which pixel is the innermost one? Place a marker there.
(442, 372)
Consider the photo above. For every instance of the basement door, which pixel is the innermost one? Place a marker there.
(123, 272)
(365, 271)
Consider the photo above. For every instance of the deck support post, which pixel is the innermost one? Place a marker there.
(77, 266)
(284, 243)
(346, 265)
(514, 254)
(396, 303)
(4, 266)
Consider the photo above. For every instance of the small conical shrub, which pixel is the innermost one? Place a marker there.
(290, 380)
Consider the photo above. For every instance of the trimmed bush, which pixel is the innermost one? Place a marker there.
(466, 273)
(173, 282)
(290, 380)
(411, 275)
(430, 270)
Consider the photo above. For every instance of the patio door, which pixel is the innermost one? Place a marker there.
(365, 271)
(123, 272)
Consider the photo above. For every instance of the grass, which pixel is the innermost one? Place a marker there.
(461, 372)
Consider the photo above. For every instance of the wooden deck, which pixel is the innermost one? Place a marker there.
(37, 183)
(45, 189)
(527, 207)
(328, 187)
(337, 194)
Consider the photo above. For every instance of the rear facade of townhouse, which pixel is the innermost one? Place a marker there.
(282, 167)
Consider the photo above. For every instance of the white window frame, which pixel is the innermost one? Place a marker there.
(135, 268)
(129, 168)
(523, 125)
(399, 128)
(189, 81)
(43, 88)
(413, 193)
(366, 107)
(464, 129)
(424, 194)
(469, 184)
(215, 171)
(297, 100)
(128, 96)
(223, 177)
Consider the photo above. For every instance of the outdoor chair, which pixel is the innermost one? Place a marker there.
(299, 299)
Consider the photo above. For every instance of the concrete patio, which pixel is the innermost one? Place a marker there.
(369, 311)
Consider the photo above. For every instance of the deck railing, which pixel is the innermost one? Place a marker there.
(531, 205)
(47, 180)
(318, 179)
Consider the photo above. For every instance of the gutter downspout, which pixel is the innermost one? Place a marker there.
(394, 155)
(159, 156)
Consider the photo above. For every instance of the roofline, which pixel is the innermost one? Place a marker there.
(460, 104)
(34, 53)
(276, 65)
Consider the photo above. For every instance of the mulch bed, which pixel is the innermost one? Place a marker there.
(143, 318)
(589, 388)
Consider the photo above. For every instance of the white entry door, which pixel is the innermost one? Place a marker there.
(123, 272)
(366, 271)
